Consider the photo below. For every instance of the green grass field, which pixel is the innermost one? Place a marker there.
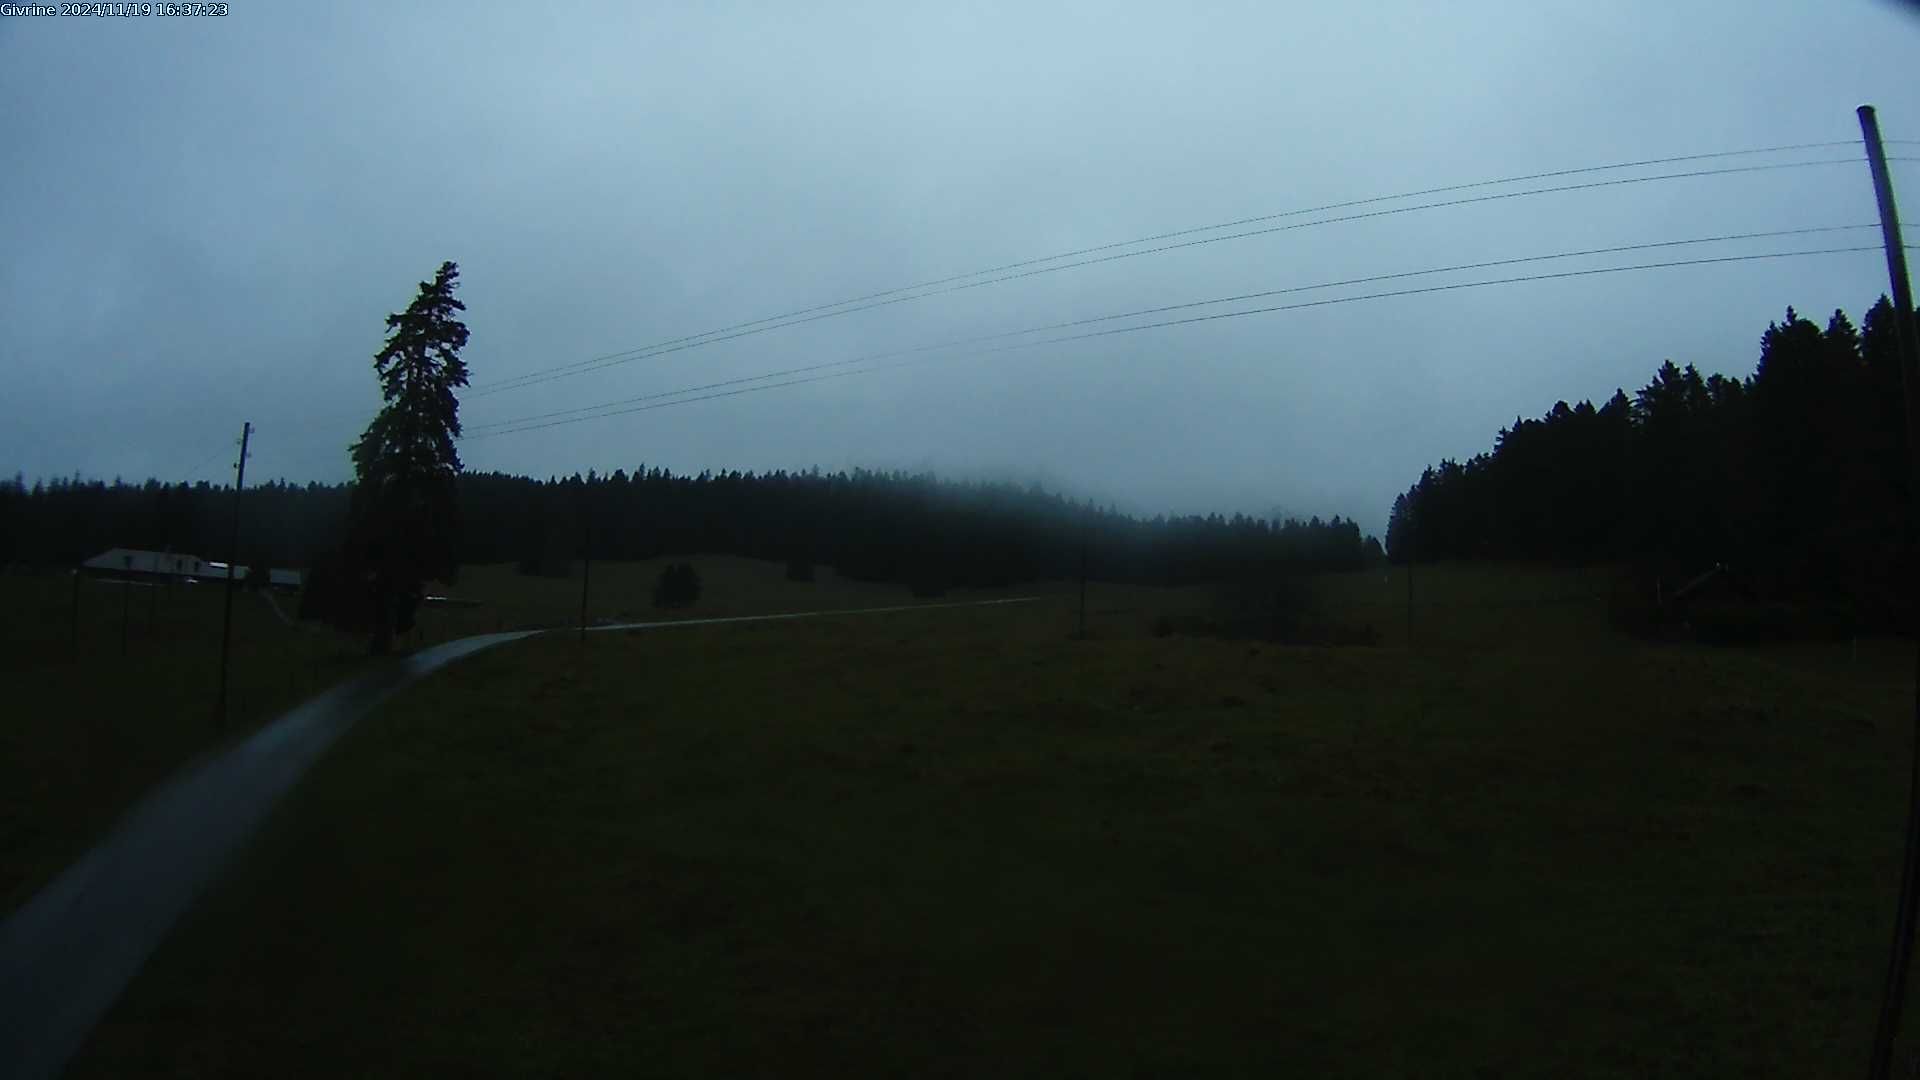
(113, 688)
(104, 706)
(622, 592)
(961, 843)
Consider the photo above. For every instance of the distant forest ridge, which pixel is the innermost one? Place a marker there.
(1797, 477)
(879, 526)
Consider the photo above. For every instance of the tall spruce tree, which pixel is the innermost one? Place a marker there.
(405, 465)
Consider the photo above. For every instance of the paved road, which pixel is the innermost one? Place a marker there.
(66, 955)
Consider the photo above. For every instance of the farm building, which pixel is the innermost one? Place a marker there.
(148, 565)
(167, 566)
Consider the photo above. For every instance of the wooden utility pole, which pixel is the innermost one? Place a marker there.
(74, 632)
(1903, 325)
(233, 556)
(1893, 994)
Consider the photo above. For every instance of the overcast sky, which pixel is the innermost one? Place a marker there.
(206, 221)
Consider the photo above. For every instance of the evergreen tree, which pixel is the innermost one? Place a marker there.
(1400, 527)
(1797, 476)
(877, 527)
(678, 586)
(405, 465)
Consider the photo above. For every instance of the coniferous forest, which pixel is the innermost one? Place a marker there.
(1795, 478)
(869, 526)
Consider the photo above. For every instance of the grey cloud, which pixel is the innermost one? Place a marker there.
(207, 221)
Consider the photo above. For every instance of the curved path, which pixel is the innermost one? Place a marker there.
(66, 954)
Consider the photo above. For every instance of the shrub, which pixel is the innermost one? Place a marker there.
(336, 593)
(1268, 607)
(677, 587)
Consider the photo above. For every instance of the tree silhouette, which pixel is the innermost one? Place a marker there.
(678, 586)
(865, 525)
(1796, 475)
(405, 465)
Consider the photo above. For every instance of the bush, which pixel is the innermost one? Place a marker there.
(336, 593)
(318, 591)
(1272, 608)
(799, 570)
(677, 587)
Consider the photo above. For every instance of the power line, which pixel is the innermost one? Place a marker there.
(1460, 285)
(191, 473)
(1196, 319)
(515, 422)
(791, 318)
(1150, 326)
(618, 359)
(1198, 229)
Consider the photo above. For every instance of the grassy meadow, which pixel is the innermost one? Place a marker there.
(113, 685)
(623, 592)
(963, 842)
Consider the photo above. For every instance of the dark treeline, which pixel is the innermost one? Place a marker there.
(62, 521)
(1796, 476)
(884, 527)
(866, 525)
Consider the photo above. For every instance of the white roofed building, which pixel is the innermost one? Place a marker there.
(136, 565)
(133, 563)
